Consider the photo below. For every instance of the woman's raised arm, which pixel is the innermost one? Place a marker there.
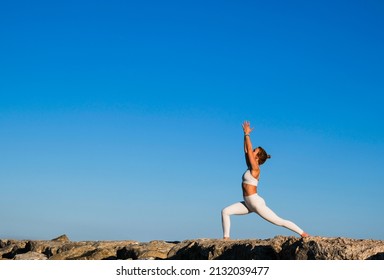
(248, 149)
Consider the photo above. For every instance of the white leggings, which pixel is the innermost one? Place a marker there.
(254, 203)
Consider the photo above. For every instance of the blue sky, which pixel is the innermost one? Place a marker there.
(122, 119)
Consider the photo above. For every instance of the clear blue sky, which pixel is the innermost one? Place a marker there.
(122, 119)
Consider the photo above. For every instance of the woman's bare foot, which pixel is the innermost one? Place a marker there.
(304, 234)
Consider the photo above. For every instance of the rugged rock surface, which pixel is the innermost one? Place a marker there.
(277, 248)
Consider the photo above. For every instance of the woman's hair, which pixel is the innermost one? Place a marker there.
(263, 156)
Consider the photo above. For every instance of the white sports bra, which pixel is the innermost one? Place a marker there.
(249, 179)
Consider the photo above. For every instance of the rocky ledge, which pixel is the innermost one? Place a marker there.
(277, 248)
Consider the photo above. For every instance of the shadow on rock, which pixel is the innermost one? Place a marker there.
(248, 252)
(378, 256)
(17, 251)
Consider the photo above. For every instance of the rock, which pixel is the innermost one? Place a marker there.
(10, 248)
(277, 248)
(320, 248)
(61, 238)
(144, 251)
(206, 249)
(90, 250)
(30, 256)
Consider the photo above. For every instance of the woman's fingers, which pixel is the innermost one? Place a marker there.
(247, 127)
(246, 124)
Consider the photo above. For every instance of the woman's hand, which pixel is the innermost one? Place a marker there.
(247, 127)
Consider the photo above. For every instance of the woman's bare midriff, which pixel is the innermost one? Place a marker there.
(249, 189)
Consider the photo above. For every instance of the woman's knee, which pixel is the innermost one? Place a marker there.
(225, 211)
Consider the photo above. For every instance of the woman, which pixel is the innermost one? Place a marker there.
(252, 201)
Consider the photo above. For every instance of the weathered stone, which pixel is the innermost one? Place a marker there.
(320, 248)
(149, 250)
(30, 256)
(10, 248)
(80, 252)
(61, 238)
(277, 248)
(90, 250)
(208, 249)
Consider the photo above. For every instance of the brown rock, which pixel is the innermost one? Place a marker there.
(211, 249)
(149, 250)
(277, 248)
(61, 238)
(10, 248)
(30, 256)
